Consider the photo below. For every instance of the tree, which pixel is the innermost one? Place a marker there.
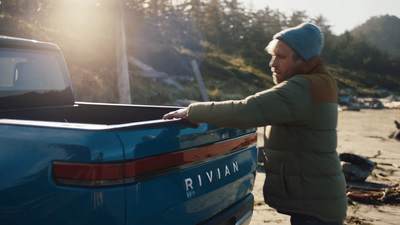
(297, 18)
(213, 23)
(234, 20)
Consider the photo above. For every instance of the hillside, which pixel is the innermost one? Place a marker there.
(381, 31)
(232, 66)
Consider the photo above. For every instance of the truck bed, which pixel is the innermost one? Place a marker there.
(90, 113)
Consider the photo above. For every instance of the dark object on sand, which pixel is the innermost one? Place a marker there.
(355, 167)
(396, 134)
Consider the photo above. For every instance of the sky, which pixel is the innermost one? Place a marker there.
(342, 15)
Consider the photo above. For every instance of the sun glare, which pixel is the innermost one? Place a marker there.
(85, 25)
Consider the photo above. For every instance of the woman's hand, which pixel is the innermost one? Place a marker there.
(178, 114)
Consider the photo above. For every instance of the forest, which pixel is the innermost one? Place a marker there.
(225, 38)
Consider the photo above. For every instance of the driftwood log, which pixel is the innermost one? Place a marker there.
(374, 196)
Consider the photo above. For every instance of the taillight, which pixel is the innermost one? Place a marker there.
(106, 174)
(82, 174)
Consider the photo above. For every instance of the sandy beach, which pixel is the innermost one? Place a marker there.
(365, 133)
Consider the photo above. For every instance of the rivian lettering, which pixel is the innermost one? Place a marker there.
(210, 176)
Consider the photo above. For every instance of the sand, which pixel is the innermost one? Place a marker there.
(366, 133)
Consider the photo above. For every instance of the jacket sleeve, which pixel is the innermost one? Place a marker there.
(286, 103)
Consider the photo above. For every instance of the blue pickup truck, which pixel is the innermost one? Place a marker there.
(72, 163)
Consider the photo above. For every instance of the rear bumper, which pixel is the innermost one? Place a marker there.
(238, 214)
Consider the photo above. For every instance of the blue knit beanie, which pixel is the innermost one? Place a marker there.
(306, 39)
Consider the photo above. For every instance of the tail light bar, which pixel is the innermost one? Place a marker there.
(90, 175)
(118, 173)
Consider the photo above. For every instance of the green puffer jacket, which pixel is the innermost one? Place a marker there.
(303, 172)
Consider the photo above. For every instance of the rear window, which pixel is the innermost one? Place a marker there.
(33, 78)
(30, 70)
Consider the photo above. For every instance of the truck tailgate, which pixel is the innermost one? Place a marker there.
(185, 175)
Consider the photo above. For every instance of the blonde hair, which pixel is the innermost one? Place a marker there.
(271, 46)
